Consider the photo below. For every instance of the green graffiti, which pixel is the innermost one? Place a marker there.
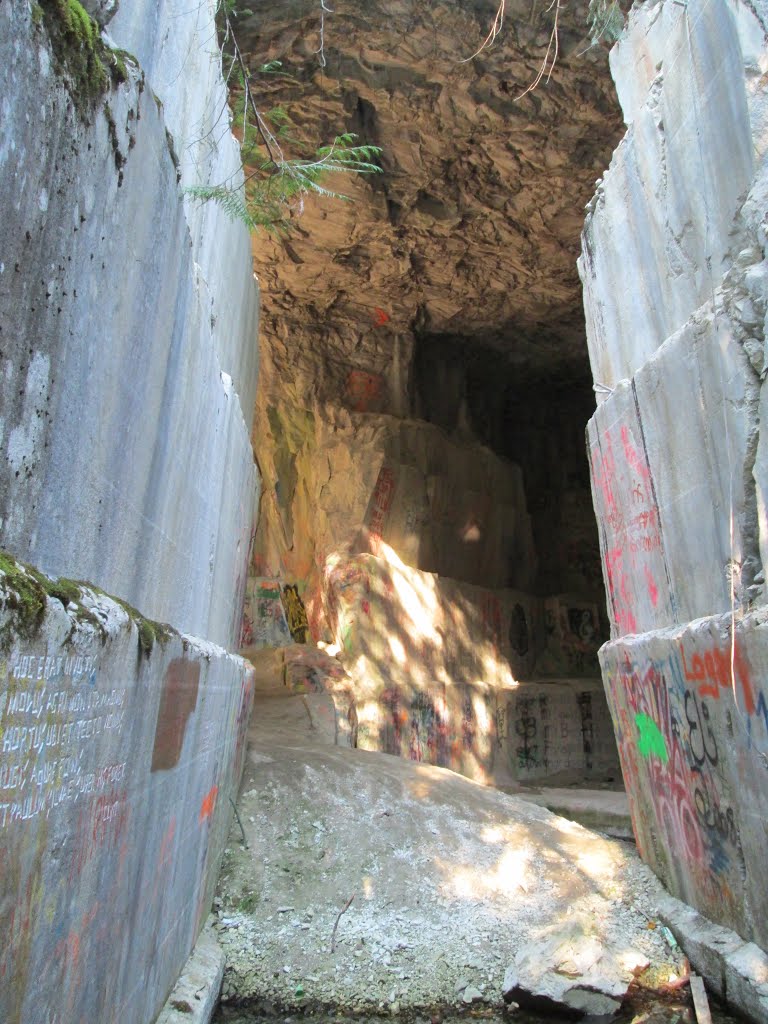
(651, 739)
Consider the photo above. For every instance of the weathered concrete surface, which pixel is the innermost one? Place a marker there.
(117, 763)
(676, 280)
(126, 456)
(690, 710)
(195, 995)
(736, 970)
(450, 881)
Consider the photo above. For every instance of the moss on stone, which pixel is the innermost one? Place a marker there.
(24, 599)
(25, 596)
(88, 65)
(27, 591)
(150, 632)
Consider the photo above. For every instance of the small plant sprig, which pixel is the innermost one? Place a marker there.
(275, 186)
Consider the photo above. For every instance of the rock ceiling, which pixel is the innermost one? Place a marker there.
(472, 231)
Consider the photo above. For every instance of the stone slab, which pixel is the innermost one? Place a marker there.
(195, 995)
(735, 970)
(690, 708)
(166, 38)
(685, 77)
(601, 809)
(125, 457)
(121, 744)
(670, 463)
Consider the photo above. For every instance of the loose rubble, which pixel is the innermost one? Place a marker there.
(376, 885)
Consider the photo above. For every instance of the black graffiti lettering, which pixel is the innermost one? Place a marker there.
(701, 738)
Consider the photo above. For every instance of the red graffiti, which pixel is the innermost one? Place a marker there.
(363, 390)
(101, 824)
(633, 555)
(381, 502)
(208, 804)
(164, 860)
(653, 590)
(379, 316)
(720, 670)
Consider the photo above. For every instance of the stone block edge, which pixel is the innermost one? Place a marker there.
(196, 993)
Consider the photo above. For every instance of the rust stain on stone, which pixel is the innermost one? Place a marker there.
(178, 701)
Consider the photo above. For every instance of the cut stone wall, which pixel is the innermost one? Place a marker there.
(128, 329)
(440, 671)
(675, 287)
(690, 706)
(120, 747)
(128, 319)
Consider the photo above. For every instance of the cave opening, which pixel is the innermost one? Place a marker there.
(534, 417)
(425, 389)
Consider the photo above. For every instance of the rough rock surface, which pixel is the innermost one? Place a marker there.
(450, 882)
(473, 229)
(444, 292)
(568, 965)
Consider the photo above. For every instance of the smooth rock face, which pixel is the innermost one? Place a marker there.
(675, 274)
(126, 458)
(127, 345)
(117, 764)
(655, 248)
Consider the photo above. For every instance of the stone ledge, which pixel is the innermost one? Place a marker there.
(735, 970)
(196, 993)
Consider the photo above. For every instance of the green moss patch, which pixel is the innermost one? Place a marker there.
(25, 596)
(88, 65)
(150, 632)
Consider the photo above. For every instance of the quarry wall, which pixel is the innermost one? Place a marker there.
(409, 554)
(675, 284)
(118, 757)
(127, 355)
(128, 364)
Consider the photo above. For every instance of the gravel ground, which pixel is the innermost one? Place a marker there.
(447, 879)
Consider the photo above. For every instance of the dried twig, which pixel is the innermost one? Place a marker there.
(343, 910)
(321, 50)
(498, 22)
(234, 808)
(554, 41)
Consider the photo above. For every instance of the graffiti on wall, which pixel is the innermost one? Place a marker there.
(295, 613)
(381, 502)
(687, 724)
(490, 611)
(264, 620)
(632, 549)
(518, 631)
